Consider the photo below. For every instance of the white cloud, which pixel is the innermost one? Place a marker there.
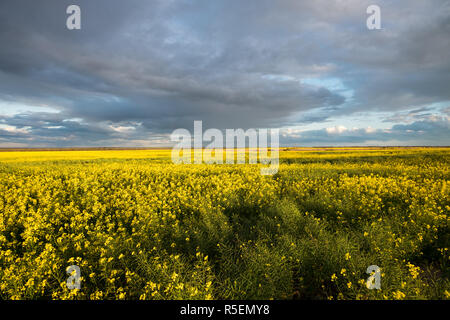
(336, 130)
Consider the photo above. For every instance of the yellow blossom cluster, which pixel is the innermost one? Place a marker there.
(140, 227)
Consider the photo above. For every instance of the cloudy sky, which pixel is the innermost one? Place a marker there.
(138, 69)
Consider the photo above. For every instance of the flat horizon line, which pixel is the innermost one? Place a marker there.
(12, 149)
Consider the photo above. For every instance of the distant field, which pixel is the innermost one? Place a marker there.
(140, 227)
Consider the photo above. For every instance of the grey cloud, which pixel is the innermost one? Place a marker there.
(163, 64)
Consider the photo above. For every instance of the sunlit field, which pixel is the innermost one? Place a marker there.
(140, 227)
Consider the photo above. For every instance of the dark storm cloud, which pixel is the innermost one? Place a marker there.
(155, 66)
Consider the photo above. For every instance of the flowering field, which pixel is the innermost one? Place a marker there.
(140, 227)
